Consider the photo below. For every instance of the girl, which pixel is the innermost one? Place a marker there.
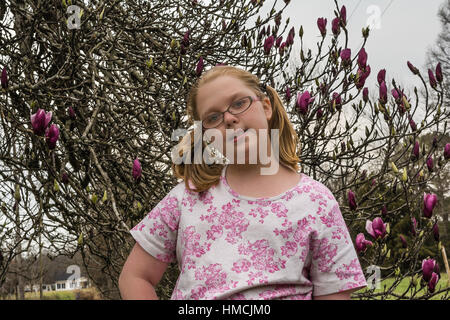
(234, 232)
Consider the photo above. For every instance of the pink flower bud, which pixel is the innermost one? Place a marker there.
(383, 93)
(52, 135)
(412, 124)
(278, 42)
(335, 27)
(268, 44)
(352, 200)
(199, 68)
(290, 37)
(303, 101)
(413, 69)
(376, 228)
(429, 202)
(288, 94)
(433, 281)
(346, 57)
(439, 76)
(137, 170)
(40, 121)
(436, 232)
(381, 76)
(337, 101)
(71, 113)
(430, 164)
(447, 151)
(428, 266)
(403, 240)
(433, 82)
(362, 243)
(414, 226)
(415, 151)
(362, 58)
(343, 16)
(366, 94)
(322, 24)
(384, 211)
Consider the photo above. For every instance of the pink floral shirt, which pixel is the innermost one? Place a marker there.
(228, 246)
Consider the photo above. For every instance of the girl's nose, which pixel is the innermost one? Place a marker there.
(229, 118)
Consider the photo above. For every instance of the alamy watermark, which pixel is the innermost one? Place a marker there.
(234, 139)
(374, 280)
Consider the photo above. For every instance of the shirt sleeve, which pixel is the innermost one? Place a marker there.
(157, 232)
(335, 266)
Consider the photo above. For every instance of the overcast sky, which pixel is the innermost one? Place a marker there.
(406, 29)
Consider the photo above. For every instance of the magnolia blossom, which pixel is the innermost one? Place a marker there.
(322, 24)
(268, 44)
(413, 69)
(303, 101)
(335, 27)
(40, 121)
(428, 267)
(433, 82)
(137, 170)
(447, 151)
(52, 136)
(429, 202)
(199, 67)
(376, 228)
(381, 76)
(362, 58)
(383, 93)
(352, 200)
(362, 243)
(439, 76)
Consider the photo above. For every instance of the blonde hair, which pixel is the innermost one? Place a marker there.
(203, 176)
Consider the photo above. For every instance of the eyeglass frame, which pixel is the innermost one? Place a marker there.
(228, 109)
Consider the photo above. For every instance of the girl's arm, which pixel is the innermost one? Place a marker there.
(140, 274)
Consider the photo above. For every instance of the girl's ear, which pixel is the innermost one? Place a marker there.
(267, 108)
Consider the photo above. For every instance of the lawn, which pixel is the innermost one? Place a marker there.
(84, 294)
(403, 286)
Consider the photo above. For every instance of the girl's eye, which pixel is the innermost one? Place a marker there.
(213, 117)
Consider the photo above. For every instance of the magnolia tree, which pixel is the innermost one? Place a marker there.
(91, 99)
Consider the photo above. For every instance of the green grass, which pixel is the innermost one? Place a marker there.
(403, 286)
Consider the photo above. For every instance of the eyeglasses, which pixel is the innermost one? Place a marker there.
(215, 119)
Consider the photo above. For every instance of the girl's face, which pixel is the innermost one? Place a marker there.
(216, 96)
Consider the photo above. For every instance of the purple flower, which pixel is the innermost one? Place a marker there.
(433, 82)
(384, 211)
(343, 16)
(335, 27)
(381, 76)
(337, 101)
(351, 200)
(428, 267)
(346, 56)
(430, 164)
(40, 121)
(439, 77)
(412, 124)
(362, 243)
(268, 44)
(362, 75)
(278, 42)
(436, 231)
(383, 93)
(447, 151)
(322, 24)
(415, 151)
(319, 113)
(288, 94)
(414, 226)
(366, 94)
(429, 202)
(185, 41)
(4, 79)
(362, 58)
(52, 135)
(137, 170)
(303, 101)
(376, 228)
(413, 69)
(403, 240)
(433, 281)
(71, 113)
(290, 37)
(199, 68)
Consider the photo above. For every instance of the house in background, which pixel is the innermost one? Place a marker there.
(62, 282)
